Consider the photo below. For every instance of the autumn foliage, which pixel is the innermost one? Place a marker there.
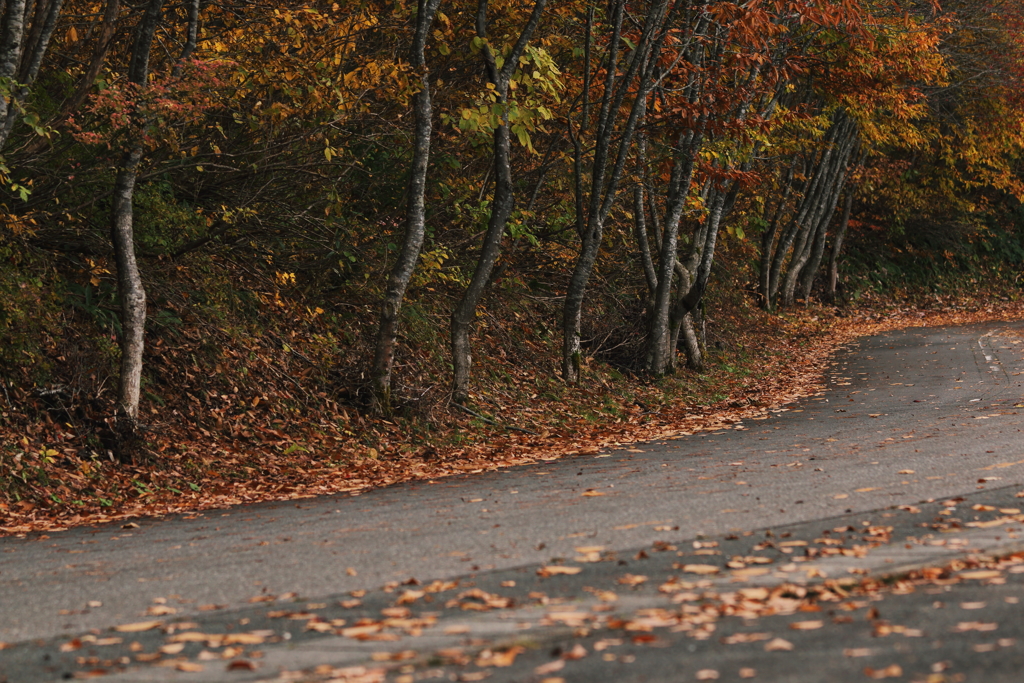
(371, 234)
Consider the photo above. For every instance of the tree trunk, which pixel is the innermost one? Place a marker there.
(768, 241)
(501, 207)
(683, 327)
(12, 36)
(131, 293)
(132, 297)
(833, 173)
(415, 218)
(837, 246)
(659, 349)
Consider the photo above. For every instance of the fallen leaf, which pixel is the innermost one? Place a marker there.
(749, 573)
(707, 675)
(171, 648)
(866, 489)
(806, 625)
(972, 605)
(577, 652)
(981, 574)
(456, 629)
(160, 611)
(891, 671)
(410, 596)
(190, 667)
(841, 496)
(243, 639)
(590, 493)
(499, 659)
(130, 525)
(558, 569)
(631, 579)
(360, 631)
(241, 665)
(71, 645)
(778, 645)
(905, 472)
(138, 626)
(982, 626)
(858, 652)
(745, 638)
(700, 569)
(747, 672)
(587, 549)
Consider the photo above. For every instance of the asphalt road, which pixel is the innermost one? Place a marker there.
(910, 416)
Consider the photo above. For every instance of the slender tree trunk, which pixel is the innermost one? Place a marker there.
(415, 220)
(683, 327)
(811, 269)
(131, 292)
(501, 207)
(768, 240)
(706, 252)
(191, 38)
(837, 245)
(833, 173)
(805, 217)
(12, 36)
(659, 348)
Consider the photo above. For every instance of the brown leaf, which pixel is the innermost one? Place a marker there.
(806, 625)
(554, 570)
(241, 665)
(499, 659)
(161, 611)
(243, 639)
(965, 626)
(891, 671)
(631, 579)
(981, 574)
(137, 626)
(778, 645)
(577, 652)
(171, 648)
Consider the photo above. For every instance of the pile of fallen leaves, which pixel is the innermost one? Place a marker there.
(57, 475)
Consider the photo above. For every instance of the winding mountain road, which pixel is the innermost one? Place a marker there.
(917, 415)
